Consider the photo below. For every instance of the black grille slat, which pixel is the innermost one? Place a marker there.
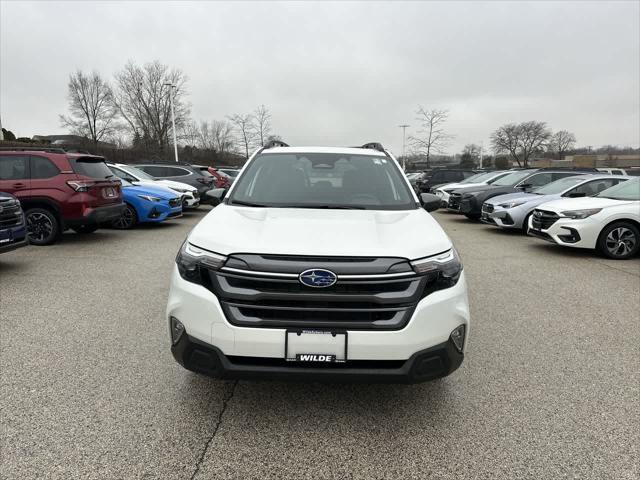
(543, 219)
(487, 207)
(10, 216)
(366, 303)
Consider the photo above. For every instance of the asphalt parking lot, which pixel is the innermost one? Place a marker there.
(89, 389)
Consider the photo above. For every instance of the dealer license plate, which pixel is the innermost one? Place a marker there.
(315, 346)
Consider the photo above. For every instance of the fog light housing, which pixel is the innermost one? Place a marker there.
(176, 328)
(457, 337)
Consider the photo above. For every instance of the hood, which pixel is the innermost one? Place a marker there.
(6, 196)
(512, 197)
(298, 231)
(180, 185)
(565, 204)
(159, 192)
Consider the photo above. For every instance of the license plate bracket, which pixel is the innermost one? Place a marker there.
(315, 346)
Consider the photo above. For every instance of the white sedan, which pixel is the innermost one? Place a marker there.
(608, 222)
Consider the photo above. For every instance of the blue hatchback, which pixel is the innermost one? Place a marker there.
(147, 204)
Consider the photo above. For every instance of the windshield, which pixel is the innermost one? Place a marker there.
(474, 178)
(480, 178)
(323, 180)
(629, 190)
(136, 172)
(511, 179)
(559, 186)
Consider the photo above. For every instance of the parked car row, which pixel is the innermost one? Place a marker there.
(45, 191)
(580, 208)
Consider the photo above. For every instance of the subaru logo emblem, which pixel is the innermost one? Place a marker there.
(318, 278)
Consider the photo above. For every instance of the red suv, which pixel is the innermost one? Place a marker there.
(60, 190)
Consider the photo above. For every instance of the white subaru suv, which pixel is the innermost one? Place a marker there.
(328, 267)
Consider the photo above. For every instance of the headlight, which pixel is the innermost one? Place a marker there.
(150, 198)
(192, 260)
(444, 269)
(580, 214)
(512, 204)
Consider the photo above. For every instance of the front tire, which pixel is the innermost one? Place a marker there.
(620, 240)
(472, 216)
(128, 219)
(43, 227)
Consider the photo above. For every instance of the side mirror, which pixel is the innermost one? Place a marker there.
(525, 186)
(577, 194)
(216, 195)
(430, 202)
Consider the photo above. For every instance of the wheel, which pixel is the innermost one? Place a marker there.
(85, 228)
(620, 240)
(43, 228)
(128, 219)
(525, 223)
(472, 216)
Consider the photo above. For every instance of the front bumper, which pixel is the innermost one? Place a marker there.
(13, 238)
(505, 218)
(191, 200)
(569, 232)
(158, 212)
(428, 364)
(430, 326)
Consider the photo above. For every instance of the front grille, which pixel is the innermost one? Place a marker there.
(543, 219)
(487, 207)
(365, 297)
(175, 202)
(454, 201)
(10, 216)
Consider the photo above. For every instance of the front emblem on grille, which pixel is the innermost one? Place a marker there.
(318, 278)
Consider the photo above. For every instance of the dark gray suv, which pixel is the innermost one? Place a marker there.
(180, 172)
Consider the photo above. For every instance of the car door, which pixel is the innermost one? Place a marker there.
(42, 170)
(14, 175)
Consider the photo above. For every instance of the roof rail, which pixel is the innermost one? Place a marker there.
(274, 144)
(33, 149)
(373, 146)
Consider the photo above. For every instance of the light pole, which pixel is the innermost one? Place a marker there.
(173, 119)
(404, 141)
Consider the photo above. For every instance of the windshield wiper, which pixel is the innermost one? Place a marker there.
(246, 204)
(327, 207)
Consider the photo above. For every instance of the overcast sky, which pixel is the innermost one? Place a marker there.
(343, 73)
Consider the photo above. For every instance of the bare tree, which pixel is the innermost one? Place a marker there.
(521, 140)
(432, 138)
(245, 130)
(561, 142)
(222, 137)
(91, 106)
(262, 118)
(470, 155)
(190, 134)
(143, 98)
